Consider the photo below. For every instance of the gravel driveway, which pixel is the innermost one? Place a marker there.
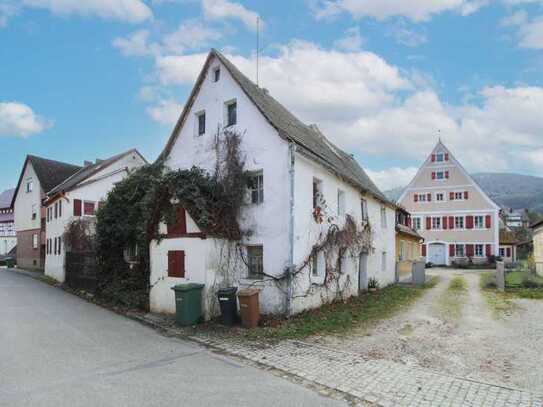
(504, 349)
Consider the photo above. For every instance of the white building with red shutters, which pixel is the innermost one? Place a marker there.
(457, 219)
(78, 196)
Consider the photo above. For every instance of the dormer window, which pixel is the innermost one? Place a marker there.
(216, 74)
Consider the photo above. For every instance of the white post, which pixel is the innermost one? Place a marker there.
(500, 275)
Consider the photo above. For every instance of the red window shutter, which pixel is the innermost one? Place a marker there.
(180, 225)
(470, 250)
(451, 250)
(451, 196)
(488, 221)
(433, 175)
(451, 222)
(466, 195)
(447, 174)
(429, 197)
(433, 157)
(469, 222)
(77, 207)
(416, 197)
(508, 251)
(176, 263)
(423, 250)
(488, 250)
(446, 156)
(444, 222)
(428, 223)
(408, 222)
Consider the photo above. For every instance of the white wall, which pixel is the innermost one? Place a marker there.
(307, 232)
(25, 200)
(93, 189)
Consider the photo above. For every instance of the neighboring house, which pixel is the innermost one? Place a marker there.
(515, 218)
(8, 237)
(537, 229)
(508, 246)
(79, 196)
(38, 176)
(408, 243)
(457, 219)
(296, 171)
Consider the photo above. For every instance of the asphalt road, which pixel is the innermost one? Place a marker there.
(58, 350)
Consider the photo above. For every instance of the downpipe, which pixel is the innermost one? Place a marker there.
(290, 266)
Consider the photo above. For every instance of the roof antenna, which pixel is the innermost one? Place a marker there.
(257, 47)
(439, 135)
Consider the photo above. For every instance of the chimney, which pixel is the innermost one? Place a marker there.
(87, 163)
(99, 160)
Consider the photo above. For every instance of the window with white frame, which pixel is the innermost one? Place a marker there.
(317, 193)
(459, 222)
(478, 222)
(421, 197)
(402, 250)
(318, 264)
(35, 241)
(255, 185)
(440, 196)
(459, 250)
(29, 185)
(340, 202)
(34, 211)
(383, 261)
(436, 222)
(479, 250)
(216, 74)
(440, 157)
(383, 217)
(502, 252)
(440, 175)
(200, 123)
(416, 222)
(255, 256)
(364, 209)
(458, 196)
(231, 113)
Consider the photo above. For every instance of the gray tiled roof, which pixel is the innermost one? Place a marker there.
(307, 136)
(6, 197)
(86, 172)
(50, 172)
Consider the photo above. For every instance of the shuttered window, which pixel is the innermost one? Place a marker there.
(176, 263)
(77, 207)
(88, 208)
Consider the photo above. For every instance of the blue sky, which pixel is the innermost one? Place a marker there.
(88, 79)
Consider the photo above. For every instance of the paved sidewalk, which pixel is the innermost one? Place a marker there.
(380, 382)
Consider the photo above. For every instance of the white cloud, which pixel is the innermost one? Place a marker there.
(352, 41)
(132, 11)
(136, 44)
(529, 30)
(165, 111)
(8, 9)
(415, 10)
(18, 119)
(392, 177)
(224, 9)
(407, 37)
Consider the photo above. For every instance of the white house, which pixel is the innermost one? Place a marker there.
(297, 176)
(8, 237)
(79, 196)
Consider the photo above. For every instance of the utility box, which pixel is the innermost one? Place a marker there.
(249, 307)
(188, 303)
(419, 273)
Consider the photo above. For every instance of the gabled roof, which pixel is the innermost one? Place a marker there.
(307, 138)
(88, 171)
(441, 147)
(49, 172)
(6, 198)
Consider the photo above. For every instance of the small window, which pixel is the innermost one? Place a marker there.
(436, 223)
(440, 175)
(176, 263)
(216, 74)
(458, 196)
(255, 262)
(340, 202)
(459, 222)
(383, 217)
(29, 186)
(317, 193)
(364, 209)
(440, 196)
(34, 212)
(440, 157)
(60, 209)
(255, 185)
(416, 223)
(502, 252)
(88, 208)
(383, 261)
(421, 197)
(401, 256)
(56, 210)
(459, 250)
(478, 222)
(201, 123)
(318, 264)
(231, 113)
(35, 241)
(479, 250)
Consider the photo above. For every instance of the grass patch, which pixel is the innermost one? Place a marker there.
(450, 303)
(500, 303)
(339, 317)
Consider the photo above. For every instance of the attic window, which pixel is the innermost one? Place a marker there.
(201, 123)
(216, 74)
(231, 113)
(440, 157)
(29, 185)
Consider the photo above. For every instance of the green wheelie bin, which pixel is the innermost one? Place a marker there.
(188, 303)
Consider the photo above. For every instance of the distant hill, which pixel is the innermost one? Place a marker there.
(507, 190)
